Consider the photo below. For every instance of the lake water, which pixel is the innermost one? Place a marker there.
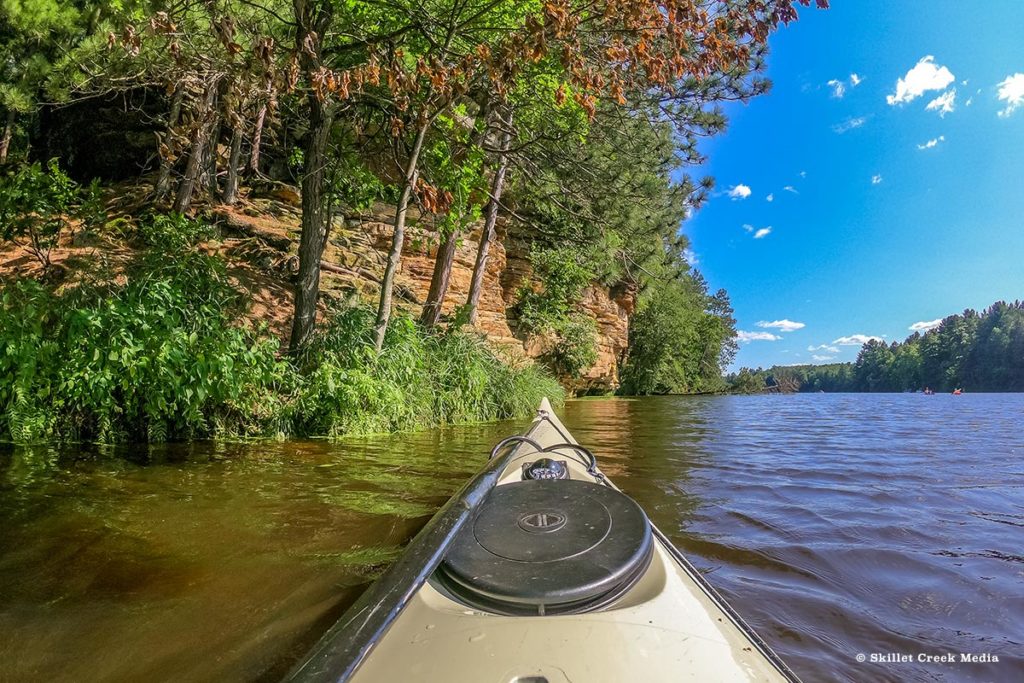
(837, 525)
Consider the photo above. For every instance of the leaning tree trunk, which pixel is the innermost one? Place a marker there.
(440, 280)
(234, 157)
(212, 152)
(398, 239)
(315, 223)
(5, 141)
(487, 233)
(197, 152)
(441, 277)
(163, 182)
(257, 140)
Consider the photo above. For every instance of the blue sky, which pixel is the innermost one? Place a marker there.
(890, 204)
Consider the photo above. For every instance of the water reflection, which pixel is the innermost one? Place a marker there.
(205, 561)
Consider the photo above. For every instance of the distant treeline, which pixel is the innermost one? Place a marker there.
(973, 351)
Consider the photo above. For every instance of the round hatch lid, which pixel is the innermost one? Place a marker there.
(548, 546)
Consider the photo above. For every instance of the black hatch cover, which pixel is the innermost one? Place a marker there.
(548, 546)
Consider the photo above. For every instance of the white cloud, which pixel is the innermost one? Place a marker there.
(876, 179)
(926, 325)
(803, 174)
(970, 101)
(855, 340)
(740, 191)
(824, 347)
(944, 103)
(690, 256)
(1011, 91)
(849, 124)
(770, 198)
(745, 337)
(933, 142)
(817, 357)
(839, 86)
(758, 232)
(926, 75)
(784, 325)
(790, 188)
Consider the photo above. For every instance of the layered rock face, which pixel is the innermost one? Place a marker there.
(359, 245)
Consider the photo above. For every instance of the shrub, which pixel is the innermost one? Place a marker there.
(43, 205)
(574, 348)
(549, 310)
(563, 277)
(173, 233)
(417, 380)
(152, 360)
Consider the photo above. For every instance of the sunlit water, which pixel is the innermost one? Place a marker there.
(837, 525)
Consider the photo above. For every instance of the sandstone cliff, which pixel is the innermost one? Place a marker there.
(358, 250)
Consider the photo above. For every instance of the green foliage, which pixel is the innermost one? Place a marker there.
(575, 346)
(614, 190)
(155, 359)
(550, 312)
(455, 165)
(747, 381)
(610, 188)
(417, 380)
(354, 187)
(347, 388)
(679, 340)
(173, 233)
(563, 273)
(43, 205)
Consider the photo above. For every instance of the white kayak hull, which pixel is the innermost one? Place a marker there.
(669, 626)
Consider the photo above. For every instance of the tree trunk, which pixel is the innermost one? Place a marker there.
(398, 239)
(234, 157)
(439, 281)
(5, 141)
(257, 140)
(311, 21)
(196, 153)
(212, 152)
(487, 233)
(315, 224)
(441, 276)
(163, 182)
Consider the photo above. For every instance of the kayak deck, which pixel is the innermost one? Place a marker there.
(668, 626)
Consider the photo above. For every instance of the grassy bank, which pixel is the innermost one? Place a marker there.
(165, 351)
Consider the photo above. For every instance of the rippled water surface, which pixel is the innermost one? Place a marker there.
(837, 525)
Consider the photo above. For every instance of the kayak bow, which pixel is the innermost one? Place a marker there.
(541, 571)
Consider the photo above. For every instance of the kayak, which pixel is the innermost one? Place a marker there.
(540, 570)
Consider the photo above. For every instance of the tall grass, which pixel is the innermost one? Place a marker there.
(417, 380)
(159, 358)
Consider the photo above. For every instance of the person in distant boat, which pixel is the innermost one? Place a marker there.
(957, 392)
